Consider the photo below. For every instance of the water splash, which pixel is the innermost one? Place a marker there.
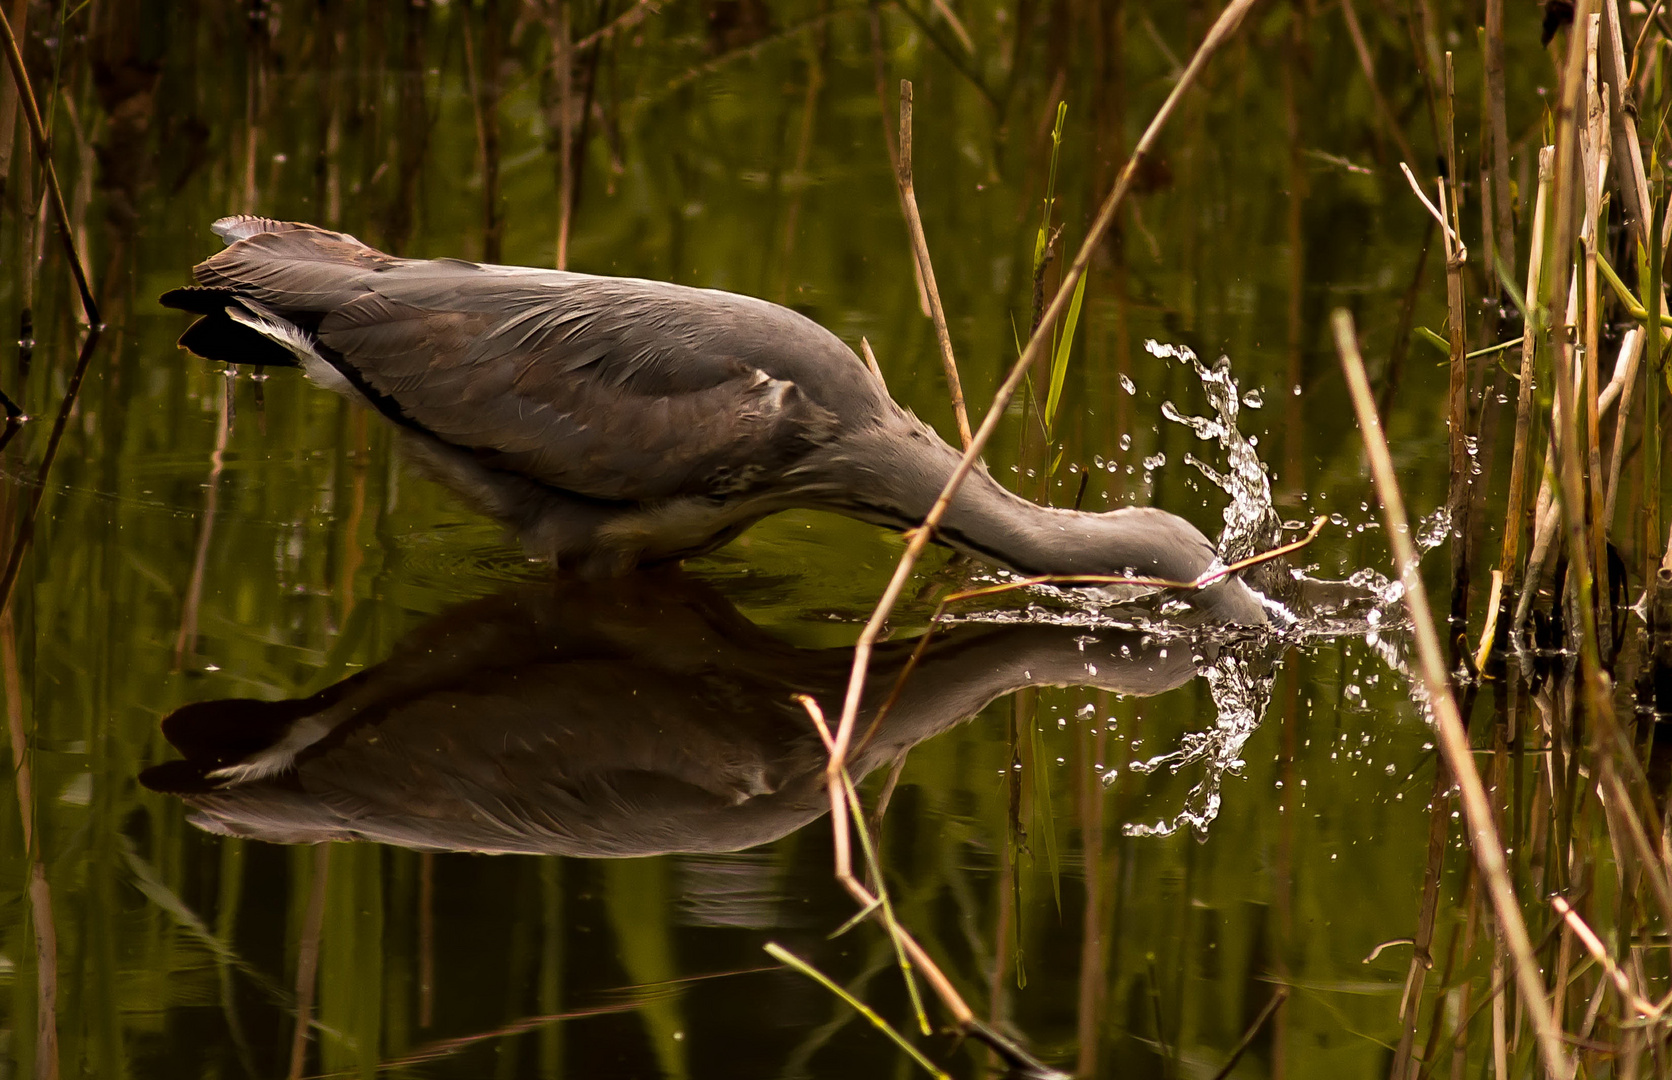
(1240, 668)
(1241, 690)
(1432, 531)
(1251, 523)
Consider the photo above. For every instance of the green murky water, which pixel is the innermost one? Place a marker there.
(200, 539)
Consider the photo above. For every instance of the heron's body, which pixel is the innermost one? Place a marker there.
(615, 422)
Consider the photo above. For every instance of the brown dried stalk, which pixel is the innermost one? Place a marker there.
(920, 249)
(43, 150)
(1536, 319)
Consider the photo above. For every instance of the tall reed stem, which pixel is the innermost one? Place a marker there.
(1448, 724)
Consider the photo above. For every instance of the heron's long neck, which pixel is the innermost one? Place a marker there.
(900, 477)
(894, 474)
(961, 672)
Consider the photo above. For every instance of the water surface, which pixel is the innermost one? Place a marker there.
(204, 536)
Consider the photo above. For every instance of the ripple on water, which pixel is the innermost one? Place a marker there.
(463, 559)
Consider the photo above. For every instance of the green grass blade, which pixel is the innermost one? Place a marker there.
(1059, 362)
(1042, 241)
(1043, 813)
(784, 956)
(895, 933)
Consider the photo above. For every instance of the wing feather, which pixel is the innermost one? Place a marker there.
(610, 388)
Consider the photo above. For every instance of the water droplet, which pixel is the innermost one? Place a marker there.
(1127, 385)
(1126, 442)
(1253, 399)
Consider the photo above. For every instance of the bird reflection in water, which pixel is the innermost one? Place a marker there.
(632, 717)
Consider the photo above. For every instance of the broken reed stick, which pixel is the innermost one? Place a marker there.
(43, 151)
(1593, 945)
(1210, 577)
(1631, 355)
(879, 74)
(920, 249)
(1451, 737)
(839, 786)
(918, 538)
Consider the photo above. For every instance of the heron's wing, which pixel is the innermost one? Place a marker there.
(606, 387)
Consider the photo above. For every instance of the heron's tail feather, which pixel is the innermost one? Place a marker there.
(243, 226)
(222, 335)
(239, 740)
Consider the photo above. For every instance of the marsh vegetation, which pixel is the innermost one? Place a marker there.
(1279, 855)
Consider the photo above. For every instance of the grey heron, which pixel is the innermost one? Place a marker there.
(614, 422)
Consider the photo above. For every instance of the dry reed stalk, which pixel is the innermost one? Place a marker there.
(1368, 65)
(9, 99)
(843, 801)
(1453, 740)
(1500, 1011)
(1462, 462)
(43, 150)
(185, 641)
(1632, 178)
(1611, 791)
(482, 81)
(1631, 353)
(1498, 207)
(1459, 1007)
(1422, 960)
(1595, 152)
(46, 972)
(1568, 184)
(625, 21)
(307, 960)
(1293, 469)
(40, 892)
(926, 269)
(250, 199)
(26, 528)
(879, 72)
(1656, 616)
(1561, 976)
(426, 939)
(871, 361)
(1278, 997)
(817, 44)
(1217, 35)
(563, 70)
